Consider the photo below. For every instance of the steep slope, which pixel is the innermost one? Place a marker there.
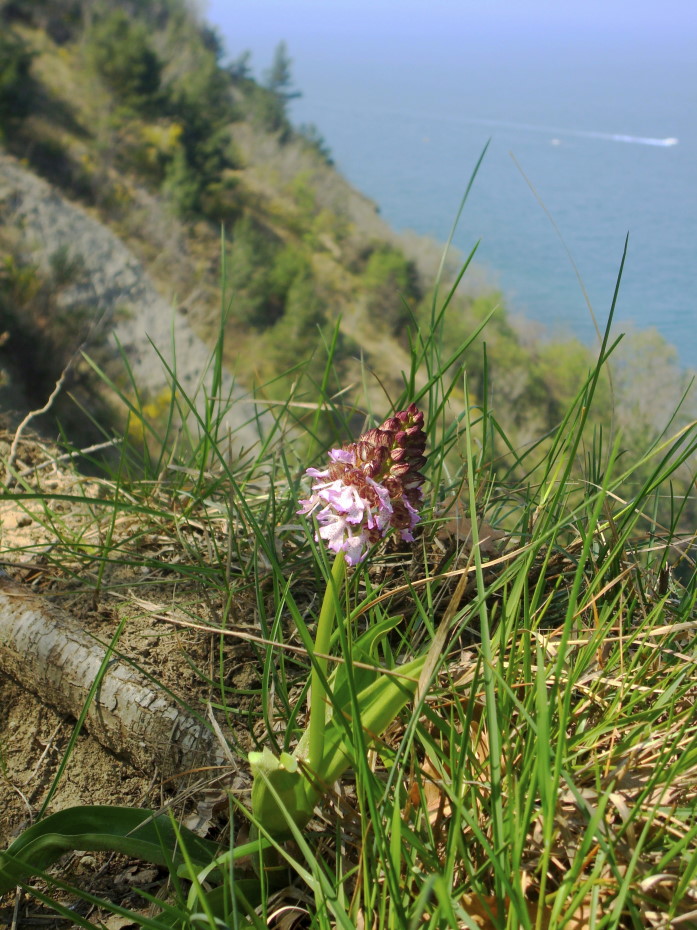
(149, 135)
(114, 285)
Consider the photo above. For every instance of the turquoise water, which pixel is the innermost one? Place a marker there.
(593, 132)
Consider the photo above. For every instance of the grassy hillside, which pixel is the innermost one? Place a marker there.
(168, 155)
(501, 730)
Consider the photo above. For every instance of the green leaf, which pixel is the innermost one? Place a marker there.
(379, 704)
(138, 833)
(363, 650)
(292, 787)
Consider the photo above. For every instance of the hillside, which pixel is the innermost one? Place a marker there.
(130, 142)
(131, 210)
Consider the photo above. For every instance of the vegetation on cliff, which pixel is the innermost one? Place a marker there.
(132, 110)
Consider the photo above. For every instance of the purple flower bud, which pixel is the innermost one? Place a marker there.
(370, 486)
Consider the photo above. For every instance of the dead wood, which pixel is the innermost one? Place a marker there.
(44, 649)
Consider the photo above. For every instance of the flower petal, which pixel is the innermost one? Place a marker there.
(371, 485)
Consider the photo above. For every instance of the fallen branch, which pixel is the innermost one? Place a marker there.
(27, 420)
(65, 456)
(10, 477)
(45, 650)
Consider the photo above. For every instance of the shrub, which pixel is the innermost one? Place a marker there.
(120, 52)
(295, 336)
(61, 19)
(251, 254)
(315, 140)
(392, 283)
(181, 185)
(260, 274)
(16, 85)
(200, 102)
(152, 147)
(221, 200)
(67, 267)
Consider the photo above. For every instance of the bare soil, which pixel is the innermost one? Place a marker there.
(34, 737)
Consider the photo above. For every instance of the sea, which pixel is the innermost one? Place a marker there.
(592, 143)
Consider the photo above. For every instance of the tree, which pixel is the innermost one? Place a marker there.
(278, 78)
(240, 69)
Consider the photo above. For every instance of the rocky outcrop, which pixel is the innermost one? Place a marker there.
(118, 288)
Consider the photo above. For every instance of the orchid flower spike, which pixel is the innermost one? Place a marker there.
(371, 486)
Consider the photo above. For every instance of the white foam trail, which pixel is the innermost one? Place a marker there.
(580, 133)
(506, 124)
(637, 140)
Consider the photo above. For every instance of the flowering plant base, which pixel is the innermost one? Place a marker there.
(370, 486)
(286, 788)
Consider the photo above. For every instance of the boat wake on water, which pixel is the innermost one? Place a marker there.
(579, 133)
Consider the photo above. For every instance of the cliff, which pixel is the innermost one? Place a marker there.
(126, 314)
(130, 143)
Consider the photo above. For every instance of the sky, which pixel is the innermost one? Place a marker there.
(345, 43)
(451, 55)
(259, 24)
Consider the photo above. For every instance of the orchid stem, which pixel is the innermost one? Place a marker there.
(325, 625)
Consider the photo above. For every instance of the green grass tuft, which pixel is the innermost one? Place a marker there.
(546, 774)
